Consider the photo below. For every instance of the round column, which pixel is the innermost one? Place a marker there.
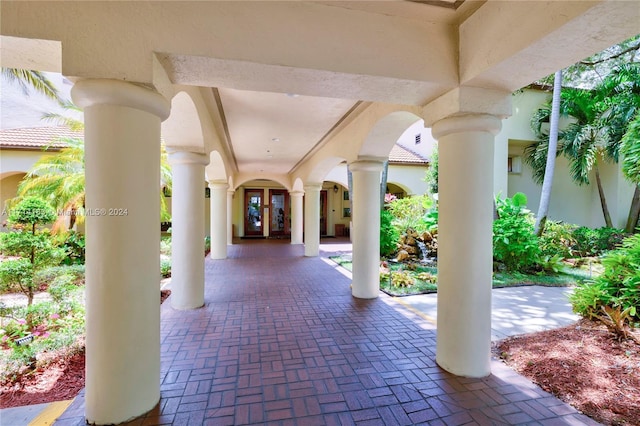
(230, 193)
(122, 161)
(296, 216)
(187, 229)
(219, 233)
(465, 248)
(312, 219)
(365, 234)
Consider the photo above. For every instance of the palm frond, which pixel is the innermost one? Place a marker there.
(32, 79)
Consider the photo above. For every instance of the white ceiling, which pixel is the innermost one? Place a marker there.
(272, 132)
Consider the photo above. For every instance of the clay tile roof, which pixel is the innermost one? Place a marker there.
(402, 155)
(36, 137)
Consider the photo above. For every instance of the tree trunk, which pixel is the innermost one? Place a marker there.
(383, 183)
(634, 212)
(603, 200)
(545, 195)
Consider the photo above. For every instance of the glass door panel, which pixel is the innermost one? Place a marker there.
(253, 211)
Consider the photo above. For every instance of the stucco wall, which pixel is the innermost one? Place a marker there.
(8, 190)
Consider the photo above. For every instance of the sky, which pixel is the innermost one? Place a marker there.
(19, 109)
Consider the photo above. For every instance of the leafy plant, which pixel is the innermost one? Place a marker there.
(594, 242)
(557, 239)
(617, 286)
(388, 234)
(74, 246)
(165, 267)
(514, 242)
(617, 320)
(409, 212)
(402, 279)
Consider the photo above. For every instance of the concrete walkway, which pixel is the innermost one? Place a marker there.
(282, 341)
(515, 310)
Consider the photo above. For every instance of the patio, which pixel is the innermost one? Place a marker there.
(282, 341)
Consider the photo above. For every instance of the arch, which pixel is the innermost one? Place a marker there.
(244, 178)
(325, 167)
(391, 188)
(183, 127)
(215, 170)
(386, 132)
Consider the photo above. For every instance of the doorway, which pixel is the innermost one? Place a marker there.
(279, 223)
(253, 212)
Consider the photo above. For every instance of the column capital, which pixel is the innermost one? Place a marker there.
(312, 186)
(296, 193)
(218, 184)
(466, 123)
(230, 191)
(367, 164)
(90, 92)
(185, 156)
(464, 100)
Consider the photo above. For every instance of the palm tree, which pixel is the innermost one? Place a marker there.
(34, 79)
(552, 150)
(59, 179)
(594, 135)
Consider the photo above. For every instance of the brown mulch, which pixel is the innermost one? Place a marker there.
(60, 380)
(585, 366)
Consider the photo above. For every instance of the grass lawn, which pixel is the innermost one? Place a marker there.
(412, 281)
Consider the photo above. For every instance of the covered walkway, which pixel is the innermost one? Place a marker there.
(282, 341)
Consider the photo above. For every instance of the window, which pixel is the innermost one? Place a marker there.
(514, 164)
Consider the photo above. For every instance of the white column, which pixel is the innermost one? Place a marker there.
(365, 234)
(296, 216)
(187, 228)
(465, 150)
(122, 158)
(312, 219)
(230, 193)
(218, 219)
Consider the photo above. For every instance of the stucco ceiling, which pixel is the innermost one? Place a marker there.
(272, 132)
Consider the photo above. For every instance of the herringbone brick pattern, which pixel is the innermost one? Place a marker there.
(282, 341)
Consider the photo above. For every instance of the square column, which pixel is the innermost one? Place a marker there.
(296, 216)
(465, 246)
(312, 219)
(365, 235)
(122, 159)
(187, 228)
(219, 229)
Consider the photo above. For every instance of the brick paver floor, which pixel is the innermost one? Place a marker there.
(282, 341)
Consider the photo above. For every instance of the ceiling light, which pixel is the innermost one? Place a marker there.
(292, 95)
(269, 156)
(275, 139)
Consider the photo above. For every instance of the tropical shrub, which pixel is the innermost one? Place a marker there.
(557, 239)
(595, 242)
(409, 212)
(388, 234)
(73, 244)
(514, 242)
(165, 267)
(617, 286)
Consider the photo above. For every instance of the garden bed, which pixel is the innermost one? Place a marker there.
(584, 365)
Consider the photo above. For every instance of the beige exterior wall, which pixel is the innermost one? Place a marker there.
(8, 190)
